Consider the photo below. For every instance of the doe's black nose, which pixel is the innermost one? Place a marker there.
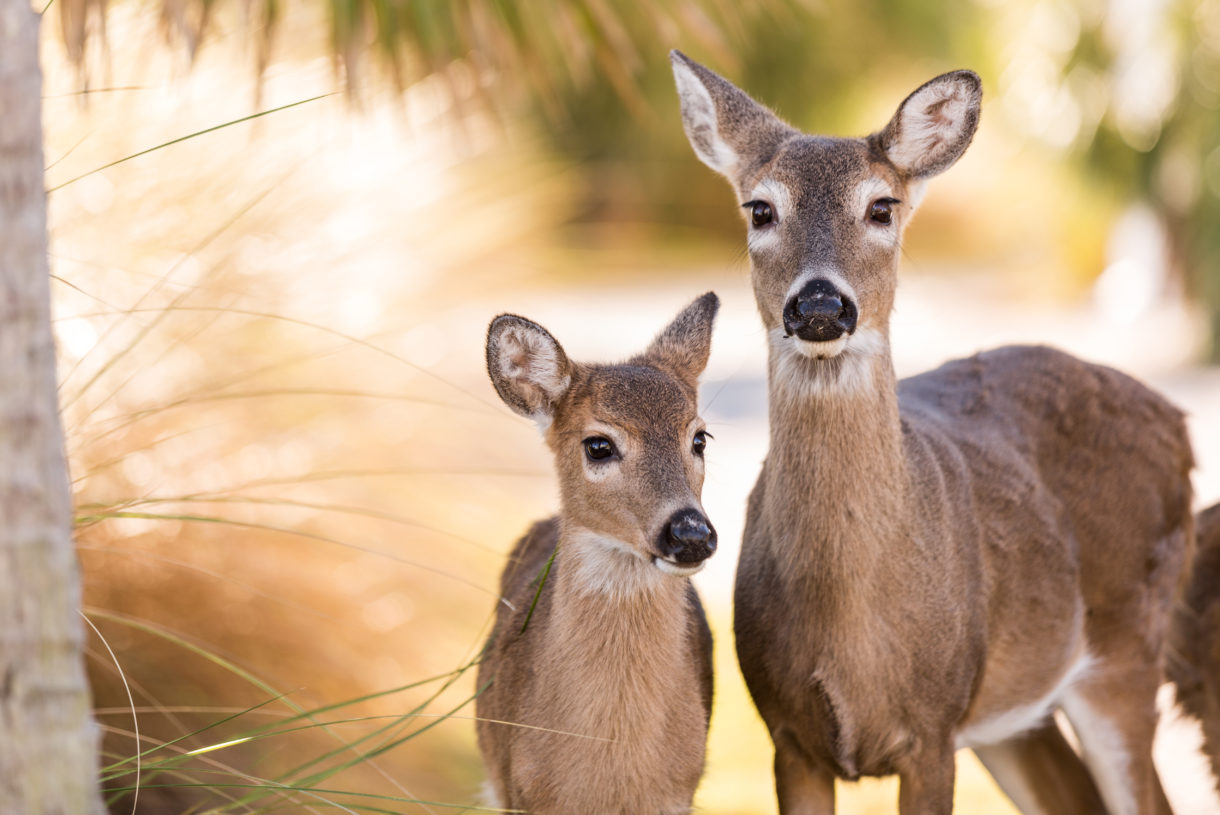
(688, 537)
(819, 312)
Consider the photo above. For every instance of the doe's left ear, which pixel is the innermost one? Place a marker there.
(686, 343)
(726, 128)
(934, 125)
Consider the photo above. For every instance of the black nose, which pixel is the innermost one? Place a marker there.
(687, 537)
(819, 312)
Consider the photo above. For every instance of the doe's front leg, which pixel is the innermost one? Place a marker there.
(925, 786)
(801, 787)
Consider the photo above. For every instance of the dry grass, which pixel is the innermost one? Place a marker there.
(294, 485)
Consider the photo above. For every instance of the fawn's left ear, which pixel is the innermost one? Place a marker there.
(528, 367)
(934, 125)
(686, 343)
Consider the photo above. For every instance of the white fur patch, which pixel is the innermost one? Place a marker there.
(1022, 718)
(488, 796)
(609, 566)
(679, 569)
(1105, 753)
(701, 123)
(828, 273)
(801, 376)
(779, 197)
(820, 350)
(866, 192)
(529, 356)
(924, 125)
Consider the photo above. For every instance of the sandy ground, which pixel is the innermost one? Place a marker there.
(936, 318)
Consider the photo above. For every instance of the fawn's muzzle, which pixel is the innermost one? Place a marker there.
(687, 538)
(819, 312)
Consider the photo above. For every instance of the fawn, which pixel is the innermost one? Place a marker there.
(601, 678)
(940, 562)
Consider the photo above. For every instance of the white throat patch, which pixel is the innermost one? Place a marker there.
(808, 370)
(605, 565)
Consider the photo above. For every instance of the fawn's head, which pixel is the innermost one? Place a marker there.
(627, 439)
(825, 215)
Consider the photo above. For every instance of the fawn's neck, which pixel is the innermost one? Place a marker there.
(619, 632)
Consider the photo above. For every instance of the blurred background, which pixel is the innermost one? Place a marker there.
(279, 231)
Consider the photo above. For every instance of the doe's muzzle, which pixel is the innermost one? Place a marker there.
(819, 312)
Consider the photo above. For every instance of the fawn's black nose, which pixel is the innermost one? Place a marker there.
(819, 312)
(687, 537)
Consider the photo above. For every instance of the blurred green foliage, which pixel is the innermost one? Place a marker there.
(1125, 92)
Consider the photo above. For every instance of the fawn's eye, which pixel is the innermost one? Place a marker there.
(760, 212)
(598, 448)
(882, 210)
(699, 444)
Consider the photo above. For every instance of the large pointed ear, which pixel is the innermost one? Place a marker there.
(934, 125)
(685, 344)
(727, 128)
(528, 367)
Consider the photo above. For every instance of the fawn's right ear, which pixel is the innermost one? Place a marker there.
(725, 126)
(684, 345)
(528, 367)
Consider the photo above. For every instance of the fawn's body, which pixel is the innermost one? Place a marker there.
(940, 562)
(600, 704)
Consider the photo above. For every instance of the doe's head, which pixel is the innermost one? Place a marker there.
(627, 439)
(825, 216)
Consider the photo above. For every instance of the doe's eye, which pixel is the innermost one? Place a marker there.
(882, 210)
(760, 212)
(699, 444)
(598, 448)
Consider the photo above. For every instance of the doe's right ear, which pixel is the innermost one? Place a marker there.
(527, 366)
(727, 129)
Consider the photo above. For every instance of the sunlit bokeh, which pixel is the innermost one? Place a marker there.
(295, 487)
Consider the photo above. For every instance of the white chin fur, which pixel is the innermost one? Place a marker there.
(820, 350)
(678, 569)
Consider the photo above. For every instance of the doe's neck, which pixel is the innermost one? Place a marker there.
(836, 475)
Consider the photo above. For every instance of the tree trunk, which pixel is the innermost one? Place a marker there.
(48, 742)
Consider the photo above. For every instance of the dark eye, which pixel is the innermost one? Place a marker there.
(700, 442)
(760, 212)
(598, 448)
(882, 210)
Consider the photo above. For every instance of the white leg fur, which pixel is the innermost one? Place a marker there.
(999, 762)
(1106, 754)
(488, 796)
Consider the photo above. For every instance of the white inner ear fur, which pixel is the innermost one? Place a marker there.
(931, 116)
(532, 358)
(779, 197)
(701, 123)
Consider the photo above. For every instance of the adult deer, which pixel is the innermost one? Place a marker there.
(601, 677)
(1194, 653)
(940, 562)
